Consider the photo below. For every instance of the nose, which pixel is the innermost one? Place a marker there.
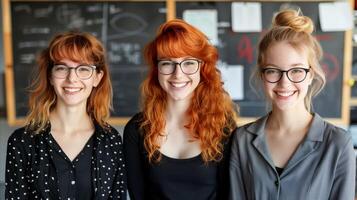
(72, 76)
(178, 72)
(284, 79)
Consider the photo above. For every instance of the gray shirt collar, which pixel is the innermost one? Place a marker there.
(309, 144)
(315, 132)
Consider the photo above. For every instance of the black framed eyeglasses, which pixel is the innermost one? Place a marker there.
(187, 66)
(82, 71)
(274, 75)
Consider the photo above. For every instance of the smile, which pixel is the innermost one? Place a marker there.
(178, 85)
(72, 89)
(285, 94)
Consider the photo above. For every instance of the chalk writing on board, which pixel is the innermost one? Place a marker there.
(245, 49)
(71, 16)
(241, 49)
(124, 52)
(135, 25)
(330, 66)
(27, 58)
(43, 12)
(123, 27)
(36, 30)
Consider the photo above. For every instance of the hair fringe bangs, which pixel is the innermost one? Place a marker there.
(73, 49)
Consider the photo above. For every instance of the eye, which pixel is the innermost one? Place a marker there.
(296, 71)
(189, 62)
(84, 69)
(271, 71)
(165, 63)
(60, 68)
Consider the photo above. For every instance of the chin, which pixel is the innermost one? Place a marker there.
(179, 98)
(286, 106)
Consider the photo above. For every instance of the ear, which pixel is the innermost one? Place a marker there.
(51, 80)
(310, 76)
(97, 78)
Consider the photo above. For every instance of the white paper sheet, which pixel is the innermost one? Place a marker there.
(335, 16)
(205, 21)
(246, 17)
(232, 76)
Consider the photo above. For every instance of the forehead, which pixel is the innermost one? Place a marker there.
(70, 63)
(72, 52)
(179, 59)
(284, 55)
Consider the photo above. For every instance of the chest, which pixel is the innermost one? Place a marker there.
(168, 178)
(71, 145)
(283, 148)
(180, 144)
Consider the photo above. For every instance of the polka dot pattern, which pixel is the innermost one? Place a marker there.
(30, 173)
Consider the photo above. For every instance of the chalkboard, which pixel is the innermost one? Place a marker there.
(241, 49)
(123, 27)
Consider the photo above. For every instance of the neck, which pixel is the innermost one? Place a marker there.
(176, 111)
(288, 120)
(67, 120)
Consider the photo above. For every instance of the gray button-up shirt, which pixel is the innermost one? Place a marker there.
(323, 166)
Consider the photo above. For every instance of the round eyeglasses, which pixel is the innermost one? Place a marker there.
(187, 66)
(82, 71)
(295, 75)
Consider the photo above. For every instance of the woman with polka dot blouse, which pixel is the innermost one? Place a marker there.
(178, 146)
(67, 150)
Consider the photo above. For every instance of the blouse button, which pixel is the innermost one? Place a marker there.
(73, 182)
(277, 183)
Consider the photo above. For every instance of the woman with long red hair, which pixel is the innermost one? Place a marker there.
(67, 150)
(178, 146)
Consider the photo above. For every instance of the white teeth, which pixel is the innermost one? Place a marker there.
(179, 85)
(285, 94)
(72, 89)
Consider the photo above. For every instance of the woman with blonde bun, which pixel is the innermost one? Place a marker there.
(291, 153)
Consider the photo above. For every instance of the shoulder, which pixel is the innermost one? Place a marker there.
(336, 136)
(21, 134)
(330, 137)
(133, 135)
(133, 125)
(108, 133)
(249, 129)
(135, 121)
(22, 139)
(18, 134)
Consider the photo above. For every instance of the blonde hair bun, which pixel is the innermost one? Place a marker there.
(295, 20)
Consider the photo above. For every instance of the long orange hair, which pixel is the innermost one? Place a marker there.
(78, 47)
(211, 112)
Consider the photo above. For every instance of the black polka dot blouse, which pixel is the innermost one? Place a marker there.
(29, 166)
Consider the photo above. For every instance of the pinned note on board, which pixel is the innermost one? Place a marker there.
(335, 16)
(232, 76)
(205, 20)
(246, 17)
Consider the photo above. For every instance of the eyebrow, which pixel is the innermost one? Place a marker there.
(293, 65)
(170, 59)
(79, 64)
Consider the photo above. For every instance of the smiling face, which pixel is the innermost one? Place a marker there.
(284, 94)
(178, 85)
(71, 90)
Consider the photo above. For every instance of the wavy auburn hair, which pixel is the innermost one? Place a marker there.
(292, 27)
(211, 112)
(78, 47)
